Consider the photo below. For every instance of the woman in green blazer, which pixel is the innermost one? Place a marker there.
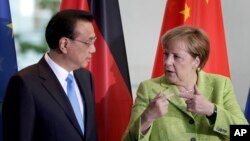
(185, 104)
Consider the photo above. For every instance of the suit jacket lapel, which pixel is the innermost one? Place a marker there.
(204, 86)
(175, 100)
(55, 89)
(83, 82)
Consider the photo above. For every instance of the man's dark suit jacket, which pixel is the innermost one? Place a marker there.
(36, 107)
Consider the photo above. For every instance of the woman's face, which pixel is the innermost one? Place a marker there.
(180, 66)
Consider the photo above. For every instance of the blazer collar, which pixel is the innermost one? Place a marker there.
(203, 83)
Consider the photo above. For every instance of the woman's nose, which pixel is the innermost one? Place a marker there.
(168, 60)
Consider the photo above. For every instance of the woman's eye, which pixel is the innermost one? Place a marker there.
(176, 56)
(166, 54)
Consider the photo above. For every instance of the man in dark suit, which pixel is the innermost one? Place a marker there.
(37, 106)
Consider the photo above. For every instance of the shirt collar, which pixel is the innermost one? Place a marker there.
(59, 71)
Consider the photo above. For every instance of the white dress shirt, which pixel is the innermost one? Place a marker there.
(61, 75)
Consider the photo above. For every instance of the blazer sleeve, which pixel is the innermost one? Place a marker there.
(228, 111)
(18, 111)
(141, 102)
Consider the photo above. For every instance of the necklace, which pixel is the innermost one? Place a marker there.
(189, 91)
(186, 90)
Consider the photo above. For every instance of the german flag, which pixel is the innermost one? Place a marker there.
(206, 14)
(109, 67)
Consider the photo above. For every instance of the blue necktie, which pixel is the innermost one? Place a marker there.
(73, 100)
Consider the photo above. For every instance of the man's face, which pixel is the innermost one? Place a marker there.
(81, 49)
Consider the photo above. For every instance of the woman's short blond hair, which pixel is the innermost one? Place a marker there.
(195, 39)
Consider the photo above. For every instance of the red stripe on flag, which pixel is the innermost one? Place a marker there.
(75, 4)
(113, 98)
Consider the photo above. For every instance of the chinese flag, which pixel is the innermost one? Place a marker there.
(109, 67)
(205, 14)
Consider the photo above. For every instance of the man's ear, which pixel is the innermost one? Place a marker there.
(63, 45)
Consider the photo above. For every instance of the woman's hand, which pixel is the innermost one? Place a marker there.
(197, 103)
(158, 107)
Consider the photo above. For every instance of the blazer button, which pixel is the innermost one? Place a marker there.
(191, 121)
(192, 139)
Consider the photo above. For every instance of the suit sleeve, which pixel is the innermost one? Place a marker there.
(18, 111)
(141, 102)
(228, 111)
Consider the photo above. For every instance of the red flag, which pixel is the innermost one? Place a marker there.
(205, 14)
(109, 67)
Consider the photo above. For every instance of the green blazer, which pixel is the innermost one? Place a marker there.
(179, 124)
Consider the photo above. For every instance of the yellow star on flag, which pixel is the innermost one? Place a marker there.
(186, 12)
(11, 27)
